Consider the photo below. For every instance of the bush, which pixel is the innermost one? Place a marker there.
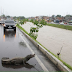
(39, 25)
(32, 29)
(17, 25)
(43, 22)
(21, 22)
(36, 22)
(32, 20)
(33, 35)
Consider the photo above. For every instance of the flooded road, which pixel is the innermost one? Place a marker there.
(15, 44)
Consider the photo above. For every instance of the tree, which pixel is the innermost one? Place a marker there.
(68, 15)
(36, 22)
(33, 31)
(14, 17)
(58, 16)
(19, 17)
(43, 22)
(53, 16)
(3, 16)
(21, 22)
(8, 16)
(32, 20)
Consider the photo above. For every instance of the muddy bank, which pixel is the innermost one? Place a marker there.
(53, 39)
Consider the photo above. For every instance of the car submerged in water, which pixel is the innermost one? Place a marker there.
(9, 24)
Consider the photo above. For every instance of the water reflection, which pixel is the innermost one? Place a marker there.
(22, 44)
(4, 37)
(18, 66)
(10, 33)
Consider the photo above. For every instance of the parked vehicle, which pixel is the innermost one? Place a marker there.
(57, 21)
(9, 24)
(61, 23)
(1, 21)
(70, 23)
(65, 23)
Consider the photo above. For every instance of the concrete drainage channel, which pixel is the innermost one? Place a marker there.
(58, 63)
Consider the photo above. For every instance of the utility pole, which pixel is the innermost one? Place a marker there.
(3, 13)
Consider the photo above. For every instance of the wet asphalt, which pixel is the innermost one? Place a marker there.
(12, 45)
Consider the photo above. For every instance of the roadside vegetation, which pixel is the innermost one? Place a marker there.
(67, 27)
(33, 32)
(43, 22)
(22, 28)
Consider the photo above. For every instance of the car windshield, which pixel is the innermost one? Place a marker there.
(9, 21)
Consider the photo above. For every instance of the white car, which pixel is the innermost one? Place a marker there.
(61, 23)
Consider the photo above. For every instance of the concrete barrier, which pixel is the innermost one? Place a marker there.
(58, 63)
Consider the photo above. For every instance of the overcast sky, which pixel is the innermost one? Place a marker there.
(30, 8)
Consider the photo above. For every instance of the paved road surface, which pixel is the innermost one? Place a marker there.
(15, 44)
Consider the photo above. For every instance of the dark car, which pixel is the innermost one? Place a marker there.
(9, 24)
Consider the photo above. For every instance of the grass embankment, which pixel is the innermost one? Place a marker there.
(46, 48)
(61, 26)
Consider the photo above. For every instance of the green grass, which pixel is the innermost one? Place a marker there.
(61, 26)
(46, 48)
(22, 28)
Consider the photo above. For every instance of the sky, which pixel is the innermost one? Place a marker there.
(33, 8)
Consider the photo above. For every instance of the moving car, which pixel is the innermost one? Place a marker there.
(9, 24)
(1, 21)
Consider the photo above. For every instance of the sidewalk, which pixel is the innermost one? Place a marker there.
(53, 39)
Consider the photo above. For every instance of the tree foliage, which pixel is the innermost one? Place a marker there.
(58, 16)
(19, 17)
(23, 21)
(32, 20)
(8, 16)
(36, 22)
(68, 16)
(53, 16)
(33, 30)
(43, 22)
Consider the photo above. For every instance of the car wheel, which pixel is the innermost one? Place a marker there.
(4, 29)
(15, 29)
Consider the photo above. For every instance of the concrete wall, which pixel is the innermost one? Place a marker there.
(58, 63)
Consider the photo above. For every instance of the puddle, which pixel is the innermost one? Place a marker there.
(22, 44)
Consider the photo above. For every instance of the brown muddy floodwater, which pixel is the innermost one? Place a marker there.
(54, 39)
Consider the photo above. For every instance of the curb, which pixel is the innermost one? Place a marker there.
(58, 63)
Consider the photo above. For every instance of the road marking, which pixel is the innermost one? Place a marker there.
(38, 60)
